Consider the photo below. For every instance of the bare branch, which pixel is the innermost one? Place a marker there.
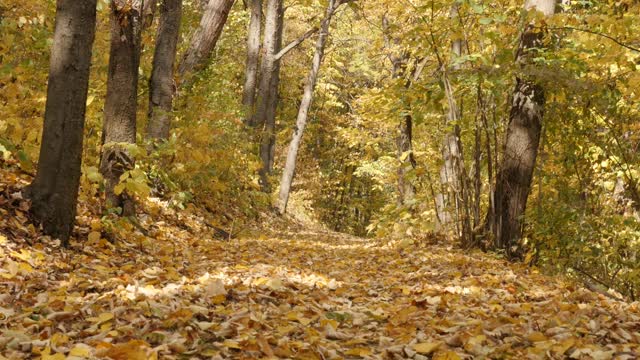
(295, 43)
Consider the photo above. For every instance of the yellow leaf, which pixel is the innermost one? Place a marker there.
(102, 318)
(25, 268)
(132, 350)
(218, 299)
(59, 339)
(358, 352)
(275, 284)
(81, 350)
(426, 348)
(446, 355)
(94, 236)
(232, 344)
(46, 355)
(536, 337)
(96, 225)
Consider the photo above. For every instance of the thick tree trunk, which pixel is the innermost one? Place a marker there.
(269, 96)
(267, 66)
(205, 38)
(305, 105)
(513, 182)
(54, 191)
(253, 57)
(161, 84)
(120, 107)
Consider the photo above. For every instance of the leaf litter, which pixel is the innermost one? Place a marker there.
(180, 294)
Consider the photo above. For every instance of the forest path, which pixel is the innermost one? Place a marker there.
(306, 295)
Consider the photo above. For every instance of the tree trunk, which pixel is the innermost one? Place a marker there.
(268, 96)
(404, 146)
(454, 192)
(205, 38)
(406, 190)
(253, 57)
(161, 84)
(267, 65)
(513, 182)
(119, 128)
(148, 12)
(54, 191)
(305, 105)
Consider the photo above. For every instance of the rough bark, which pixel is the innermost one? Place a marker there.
(267, 66)
(205, 38)
(305, 105)
(54, 191)
(253, 57)
(513, 183)
(268, 140)
(404, 142)
(161, 84)
(120, 107)
(149, 11)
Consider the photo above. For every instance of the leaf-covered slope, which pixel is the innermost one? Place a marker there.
(306, 295)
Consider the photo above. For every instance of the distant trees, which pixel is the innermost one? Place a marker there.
(54, 191)
(404, 138)
(305, 105)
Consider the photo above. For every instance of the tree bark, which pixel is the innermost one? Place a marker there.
(267, 66)
(54, 191)
(205, 38)
(513, 183)
(269, 95)
(406, 190)
(120, 107)
(161, 84)
(253, 57)
(454, 192)
(305, 105)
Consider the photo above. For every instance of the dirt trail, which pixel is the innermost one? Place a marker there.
(305, 295)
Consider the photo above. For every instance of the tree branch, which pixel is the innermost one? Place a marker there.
(627, 46)
(295, 43)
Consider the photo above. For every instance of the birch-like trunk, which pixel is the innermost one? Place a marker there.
(267, 65)
(54, 191)
(452, 202)
(305, 105)
(253, 59)
(268, 139)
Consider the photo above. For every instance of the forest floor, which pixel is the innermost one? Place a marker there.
(178, 293)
